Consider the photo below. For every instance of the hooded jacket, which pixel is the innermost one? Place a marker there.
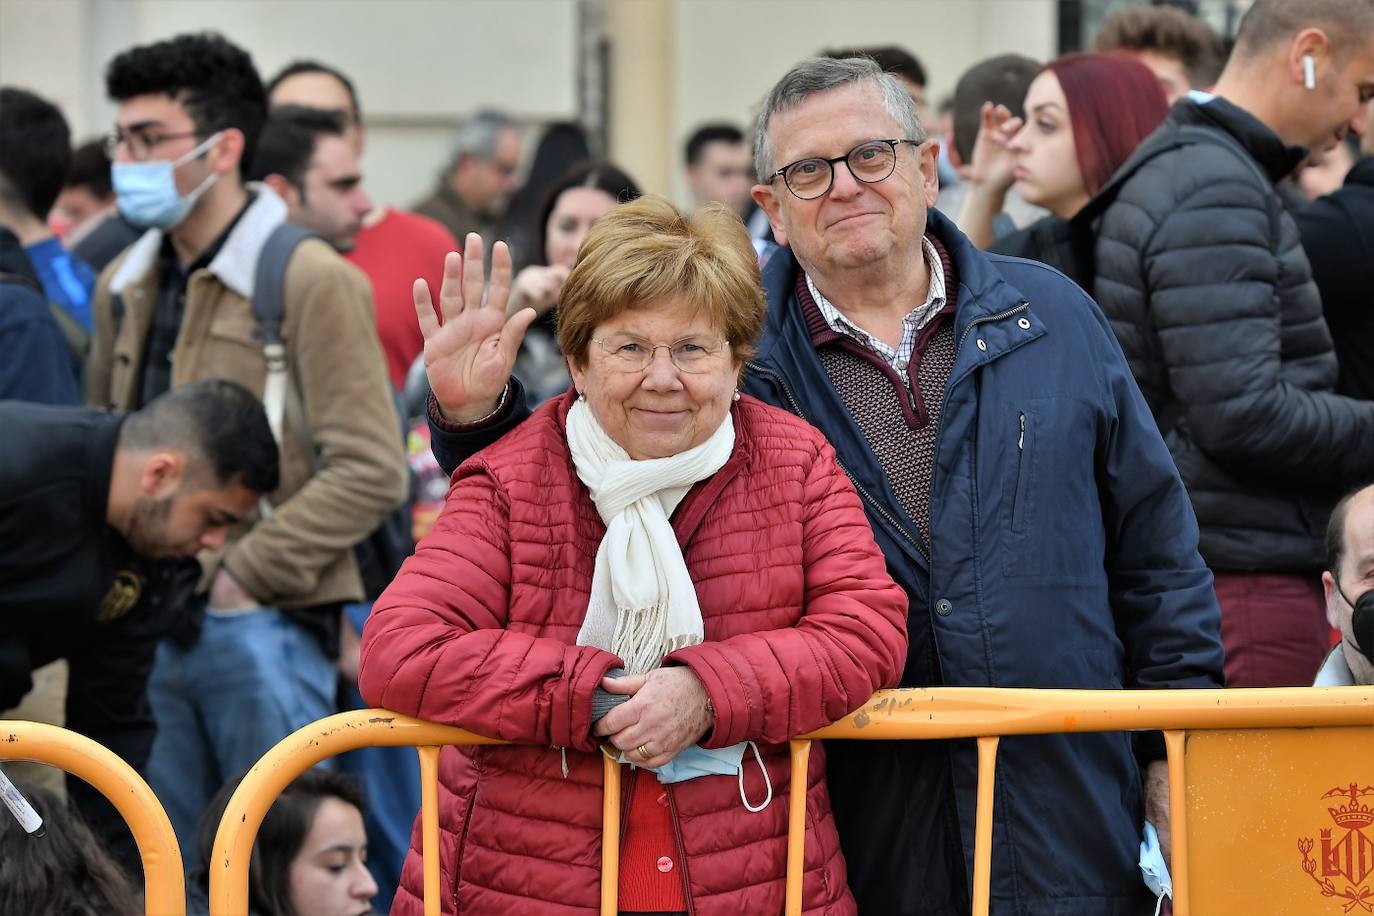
(1204, 279)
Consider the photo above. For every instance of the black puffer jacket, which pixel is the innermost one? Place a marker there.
(1338, 236)
(1205, 282)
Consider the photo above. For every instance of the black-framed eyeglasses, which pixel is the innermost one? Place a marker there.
(869, 162)
(627, 353)
(141, 142)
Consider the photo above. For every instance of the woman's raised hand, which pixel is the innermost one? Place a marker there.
(993, 161)
(470, 344)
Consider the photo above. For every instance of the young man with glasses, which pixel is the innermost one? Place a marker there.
(1014, 479)
(176, 307)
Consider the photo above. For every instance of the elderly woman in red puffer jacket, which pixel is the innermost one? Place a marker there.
(651, 520)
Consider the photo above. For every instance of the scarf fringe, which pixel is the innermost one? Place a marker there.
(639, 639)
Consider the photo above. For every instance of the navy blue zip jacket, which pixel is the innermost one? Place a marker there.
(1063, 553)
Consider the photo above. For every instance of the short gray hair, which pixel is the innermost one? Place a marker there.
(478, 135)
(821, 74)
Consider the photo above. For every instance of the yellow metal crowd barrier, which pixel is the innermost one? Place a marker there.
(1192, 722)
(1224, 747)
(164, 885)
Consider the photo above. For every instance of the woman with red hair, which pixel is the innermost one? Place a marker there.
(1085, 115)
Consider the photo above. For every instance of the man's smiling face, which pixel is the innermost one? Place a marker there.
(855, 223)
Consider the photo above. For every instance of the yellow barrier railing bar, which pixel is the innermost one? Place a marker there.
(164, 887)
(429, 826)
(297, 753)
(1178, 820)
(610, 835)
(982, 824)
(988, 712)
(933, 713)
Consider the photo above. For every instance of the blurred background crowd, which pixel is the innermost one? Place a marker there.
(399, 127)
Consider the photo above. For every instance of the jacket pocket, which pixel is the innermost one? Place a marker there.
(1021, 487)
(461, 850)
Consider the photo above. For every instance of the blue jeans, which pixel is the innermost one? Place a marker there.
(253, 678)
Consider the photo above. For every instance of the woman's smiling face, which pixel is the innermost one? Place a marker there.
(658, 411)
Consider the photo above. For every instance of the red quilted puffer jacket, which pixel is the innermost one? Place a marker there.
(478, 630)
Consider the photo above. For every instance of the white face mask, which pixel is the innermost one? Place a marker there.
(147, 191)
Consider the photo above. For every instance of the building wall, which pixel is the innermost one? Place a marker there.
(421, 65)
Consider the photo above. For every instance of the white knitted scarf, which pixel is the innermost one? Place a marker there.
(643, 603)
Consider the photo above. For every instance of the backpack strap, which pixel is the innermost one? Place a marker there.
(269, 309)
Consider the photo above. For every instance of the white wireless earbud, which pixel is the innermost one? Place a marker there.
(1309, 72)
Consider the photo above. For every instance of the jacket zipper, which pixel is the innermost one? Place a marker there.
(1019, 493)
(867, 496)
(681, 850)
(1024, 304)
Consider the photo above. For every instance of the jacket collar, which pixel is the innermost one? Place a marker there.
(1334, 671)
(1274, 156)
(100, 453)
(1362, 172)
(13, 258)
(236, 263)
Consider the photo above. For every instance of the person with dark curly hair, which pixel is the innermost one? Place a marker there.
(259, 661)
(66, 871)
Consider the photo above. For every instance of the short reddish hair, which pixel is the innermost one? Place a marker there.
(1115, 102)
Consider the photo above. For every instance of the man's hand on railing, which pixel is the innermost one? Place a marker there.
(1157, 805)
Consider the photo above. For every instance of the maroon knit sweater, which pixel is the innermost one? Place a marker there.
(898, 414)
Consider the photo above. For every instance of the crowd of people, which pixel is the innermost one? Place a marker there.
(1068, 384)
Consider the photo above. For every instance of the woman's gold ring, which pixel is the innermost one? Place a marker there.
(643, 752)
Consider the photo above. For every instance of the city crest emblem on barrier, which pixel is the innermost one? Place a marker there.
(1346, 855)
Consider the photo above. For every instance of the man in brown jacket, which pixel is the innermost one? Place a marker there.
(177, 306)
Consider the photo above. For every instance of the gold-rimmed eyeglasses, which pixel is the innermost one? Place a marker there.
(627, 353)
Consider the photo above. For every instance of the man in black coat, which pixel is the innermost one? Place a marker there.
(1204, 279)
(87, 500)
(1338, 235)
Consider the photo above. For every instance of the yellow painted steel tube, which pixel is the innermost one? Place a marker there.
(971, 712)
(429, 826)
(163, 882)
(291, 757)
(796, 825)
(610, 835)
(982, 830)
(1178, 820)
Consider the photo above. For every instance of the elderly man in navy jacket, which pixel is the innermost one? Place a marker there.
(1013, 475)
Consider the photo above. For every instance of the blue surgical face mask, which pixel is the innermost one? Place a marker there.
(147, 191)
(695, 761)
(1153, 868)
